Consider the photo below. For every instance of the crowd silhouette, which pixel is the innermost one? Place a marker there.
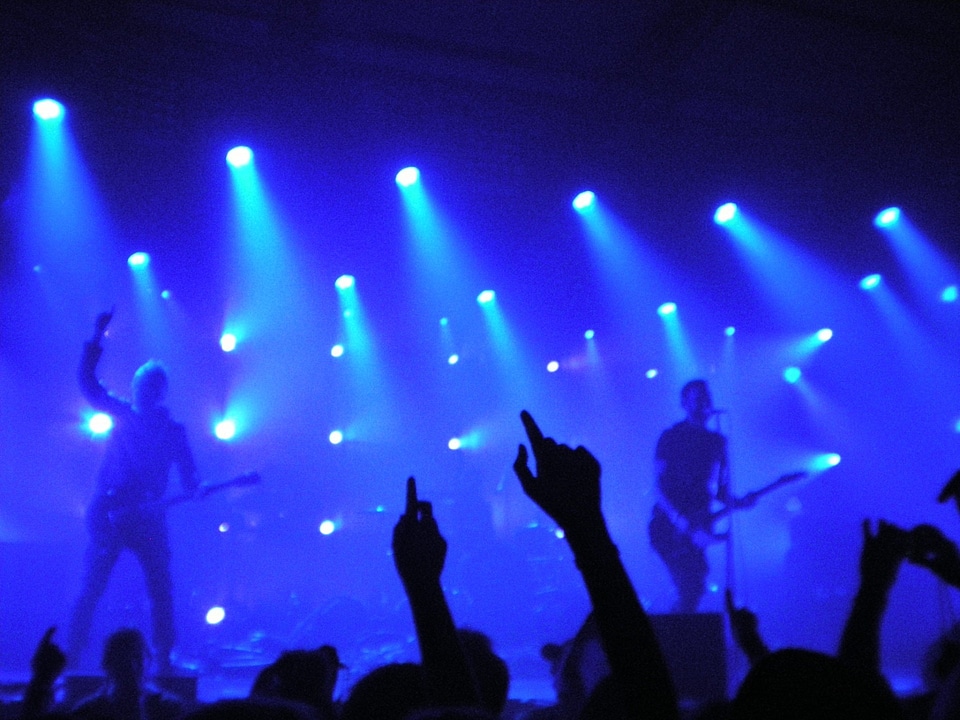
(459, 676)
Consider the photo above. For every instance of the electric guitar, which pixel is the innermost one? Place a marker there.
(703, 534)
(113, 512)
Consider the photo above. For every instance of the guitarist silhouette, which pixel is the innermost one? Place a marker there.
(693, 492)
(144, 443)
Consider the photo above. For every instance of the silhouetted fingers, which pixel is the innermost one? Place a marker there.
(951, 489)
(425, 509)
(48, 635)
(520, 466)
(411, 507)
(533, 430)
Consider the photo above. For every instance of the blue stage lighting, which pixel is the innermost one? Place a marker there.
(871, 281)
(228, 342)
(408, 176)
(337, 350)
(327, 527)
(225, 429)
(486, 297)
(825, 461)
(652, 373)
(345, 282)
(792, 374)
(730, 331)
(48, 109)
(455, 444)
(589, 334)
(444, 322)
(824, 334)
(725, 213)
(335, 437)
(584, 201)
(100, 423)
(138, 259)
(453, 359)
(668, 308)
(553, 366)
(886, 218)
(165, 294)
(949, 294)
(215, 615)
(240, 156)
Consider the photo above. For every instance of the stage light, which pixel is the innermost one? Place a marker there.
(327, 527)
(345, 282)
(48, 109)
(225, 429)
(100, 423)
(138, 260)
(335, 437)
(584, 201)
(559, 534)
(486, 297)
(444, 322)
(408, 176)
(668, 308)
(453, 359)
(824, 334)
(228, 342)
(870, 281)
(165, 294)
(827, 460)
(454, 444)
(589, 334)
(886, 218)
(652, 373)
(725, 213)
(215, 615)
(336, 351)
(553, 366)
(949, 294)
(792, 374)
(223, 527)
(240, 156)
(730, 331)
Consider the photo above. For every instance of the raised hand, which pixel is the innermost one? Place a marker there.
(419, 550)
(745, 628)
(930, 548)
(100, 324)
(567, 483)
(883, 552)
(48, 659)
(951, 490)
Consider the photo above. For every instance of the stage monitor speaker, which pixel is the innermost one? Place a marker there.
(694, 645)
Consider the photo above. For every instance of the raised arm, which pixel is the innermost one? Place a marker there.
(419, 552)
(47, 664)
(880, 559)
(746, 630)
(567, 488)
(90, 386)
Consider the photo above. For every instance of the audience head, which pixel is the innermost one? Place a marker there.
(390, 692)
(125, 656)
(489, 670)
(795, 684)
(304, 676)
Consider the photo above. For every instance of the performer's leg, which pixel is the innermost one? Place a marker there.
(152, 548)
(685, 561)
(100, 557)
